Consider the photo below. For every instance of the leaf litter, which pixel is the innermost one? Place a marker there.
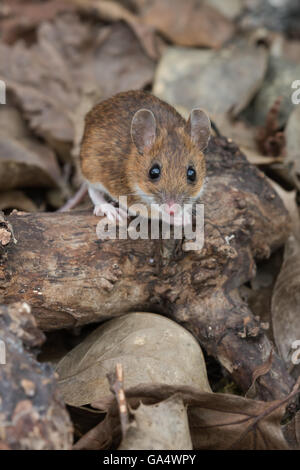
(60, 58)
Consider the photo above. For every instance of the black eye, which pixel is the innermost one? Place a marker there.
(191, 174)
(154, 172)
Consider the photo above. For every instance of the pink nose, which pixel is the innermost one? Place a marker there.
(171, 208)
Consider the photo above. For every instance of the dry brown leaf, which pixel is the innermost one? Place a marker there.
(120, 63)
(244, 135)
(113, 11)
(206, 76)
(291, 431)
(256, 158)
(289, 200)
(217, 421)
(163, 426)
(99, 437)
(71, 58)
(292, 136)
(281, 73)
(239, 131)
(24, 161)
(259, 372)
(285, 48)
(151, 348)
(286, 293)
(230, 9)
(24, 17)
(188, 23)
(160, 426)
(286, 301)
(17, 200)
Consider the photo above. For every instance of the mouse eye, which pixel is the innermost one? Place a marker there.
(191, 174)
(154, 172)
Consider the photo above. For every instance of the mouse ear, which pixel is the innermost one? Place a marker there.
(199, 128)
(143, 129)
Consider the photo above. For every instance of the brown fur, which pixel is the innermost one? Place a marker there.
(108, 155)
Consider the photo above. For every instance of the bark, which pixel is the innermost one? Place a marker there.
(71, 278)
(32, 416)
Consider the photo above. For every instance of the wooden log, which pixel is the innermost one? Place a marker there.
(71, 278)
(32, 415)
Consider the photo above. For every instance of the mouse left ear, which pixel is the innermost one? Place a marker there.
(143, 129)
(199, 128)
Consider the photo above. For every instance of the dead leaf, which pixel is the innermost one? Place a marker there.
(151, 348)
(17, 200)
(160, 426)
(113, 11)
(239, 131)
(244, 135)
(99, 437)
(286, 301)
(188, 23)
(286, 293)
(24, 17)
(289, 200)
(279, 77)
(120, 63)
(292, 136)
(24, 161)
(230, 9)
(163, 426)
(285, 48)
(207, 76)
(256, 158)
(71, 58)
(217, 421)
(291, 432)
(259, 372)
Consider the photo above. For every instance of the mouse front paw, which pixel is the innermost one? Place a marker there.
(112, 213)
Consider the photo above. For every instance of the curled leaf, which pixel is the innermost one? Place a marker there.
(217, 421)
(151, 349)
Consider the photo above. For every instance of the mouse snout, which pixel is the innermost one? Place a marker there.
(171, 207)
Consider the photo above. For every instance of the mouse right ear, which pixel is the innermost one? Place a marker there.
(199, 127)
(143, 129)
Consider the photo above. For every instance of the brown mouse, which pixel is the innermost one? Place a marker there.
(138, 146)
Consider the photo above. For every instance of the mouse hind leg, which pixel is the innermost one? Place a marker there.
(102, 207)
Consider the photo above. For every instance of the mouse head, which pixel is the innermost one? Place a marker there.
(169, 166)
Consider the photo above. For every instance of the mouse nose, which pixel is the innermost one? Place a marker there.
(171, 207)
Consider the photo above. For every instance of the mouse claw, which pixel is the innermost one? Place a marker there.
(98, 211)
(112, 213)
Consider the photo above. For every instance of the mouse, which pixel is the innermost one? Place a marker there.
(136, 145)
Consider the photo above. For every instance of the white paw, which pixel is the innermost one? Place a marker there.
(112, 213)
